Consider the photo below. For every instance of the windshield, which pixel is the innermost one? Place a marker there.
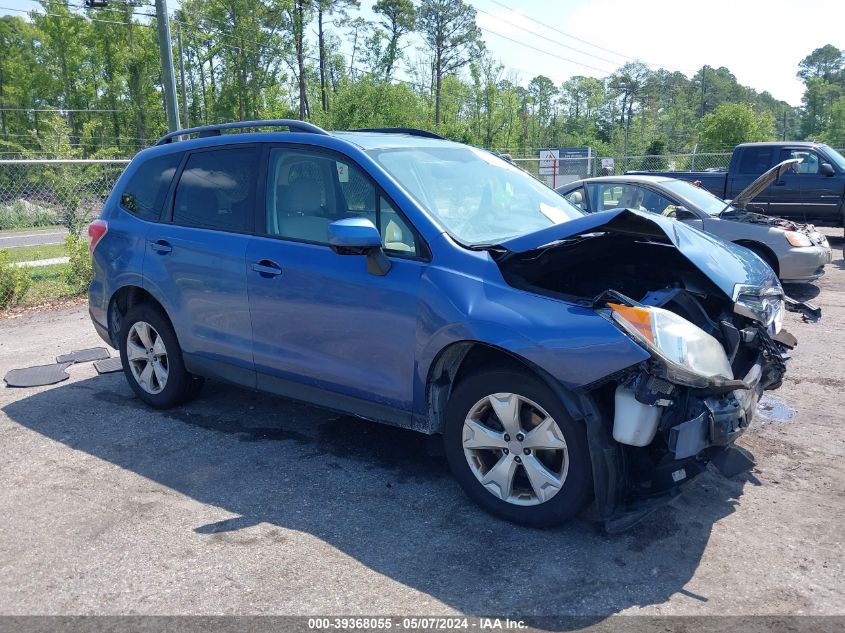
(700, 198)
(478, 198)
(836, 157)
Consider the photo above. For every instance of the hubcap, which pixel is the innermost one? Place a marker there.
(515, 449)
(147, 357)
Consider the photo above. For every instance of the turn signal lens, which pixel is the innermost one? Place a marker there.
(639, 318)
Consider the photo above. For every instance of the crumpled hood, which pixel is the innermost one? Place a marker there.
(724, 263)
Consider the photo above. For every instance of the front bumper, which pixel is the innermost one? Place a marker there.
(698, 429)
(804, 264)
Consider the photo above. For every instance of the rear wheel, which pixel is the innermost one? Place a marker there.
(152, 359)
(515, 450)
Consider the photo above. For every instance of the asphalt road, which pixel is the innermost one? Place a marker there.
(33, 237)
(249, 504)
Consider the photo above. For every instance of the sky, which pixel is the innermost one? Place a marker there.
(760, 41)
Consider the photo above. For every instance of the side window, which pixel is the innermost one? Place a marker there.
(604, 196)
(656, 203)
(577, 198)
(217, 189)
(307, 191)
(396, 235)
(809, 160)
(147, 188)
(756, 160)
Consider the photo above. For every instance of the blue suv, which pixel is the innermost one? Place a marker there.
(394, 275)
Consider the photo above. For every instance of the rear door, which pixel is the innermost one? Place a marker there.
(195, 261)
(324, 328)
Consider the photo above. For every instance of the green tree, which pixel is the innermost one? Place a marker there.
(398, 18)
(451, 34)
(733, 123)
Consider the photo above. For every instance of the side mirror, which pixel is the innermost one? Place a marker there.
(359, 236)
(682, 213)
(826, 169)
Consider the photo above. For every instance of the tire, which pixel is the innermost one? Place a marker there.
(565, 486)
(166, 383)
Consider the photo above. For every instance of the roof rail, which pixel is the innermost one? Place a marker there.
(216, 130)
(402, 130)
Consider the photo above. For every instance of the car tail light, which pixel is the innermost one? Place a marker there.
(96, 230)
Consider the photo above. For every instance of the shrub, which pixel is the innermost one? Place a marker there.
(24, 214)
(79, 271)
(14, 282)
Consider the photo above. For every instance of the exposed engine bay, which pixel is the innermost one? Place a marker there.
(666, 424)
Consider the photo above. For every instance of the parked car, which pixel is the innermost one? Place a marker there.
(815, 192)
(436, 287)
(796, 252)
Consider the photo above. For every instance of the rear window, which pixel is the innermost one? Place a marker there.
(756, 160)
(146, 190)
(217, 189)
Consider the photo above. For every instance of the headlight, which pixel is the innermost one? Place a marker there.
(764, 305)
(690, 353)
(798, 239)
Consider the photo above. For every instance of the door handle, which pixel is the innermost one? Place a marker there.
(161, 246)
(267, 268)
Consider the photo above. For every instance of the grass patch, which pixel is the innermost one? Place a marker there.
(49, 283)
(30, 253)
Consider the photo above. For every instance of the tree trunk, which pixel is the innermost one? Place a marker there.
(324, 94)
(299, 27)
(438, 85)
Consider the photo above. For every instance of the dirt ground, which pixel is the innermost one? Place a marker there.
(247, 504)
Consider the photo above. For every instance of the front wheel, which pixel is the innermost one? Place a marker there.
(515, 450)
(152, 359)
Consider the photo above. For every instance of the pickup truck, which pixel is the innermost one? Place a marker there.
(813, 192)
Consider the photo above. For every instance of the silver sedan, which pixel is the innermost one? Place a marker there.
(796, 252)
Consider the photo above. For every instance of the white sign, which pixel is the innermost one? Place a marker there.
(342, 171)
(607, 163)
(549, 162)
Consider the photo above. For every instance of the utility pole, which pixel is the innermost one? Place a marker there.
(167, 79)
(784, 125)
(185, 121)
(703, 78)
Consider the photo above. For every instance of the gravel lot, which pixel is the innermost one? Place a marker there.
(248, 504)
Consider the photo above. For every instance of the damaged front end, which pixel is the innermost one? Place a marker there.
(711, 320)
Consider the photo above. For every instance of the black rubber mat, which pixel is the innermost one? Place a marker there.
(84, 355)
(108, 366)
(37, 376)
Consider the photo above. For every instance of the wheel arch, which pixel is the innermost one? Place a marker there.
(460, 358)
(123, 300)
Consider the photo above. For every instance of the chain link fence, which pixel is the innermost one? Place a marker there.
(570, 169)
(44, 207)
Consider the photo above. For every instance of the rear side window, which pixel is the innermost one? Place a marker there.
(147, 188)
(756, 160)
(217, 189)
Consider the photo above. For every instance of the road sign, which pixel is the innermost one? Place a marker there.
(549, 162)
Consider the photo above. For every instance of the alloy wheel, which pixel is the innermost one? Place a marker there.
(515, 449)
(147, 356)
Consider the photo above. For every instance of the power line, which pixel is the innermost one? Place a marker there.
(583, 41)
(540, 50)
(548, 39)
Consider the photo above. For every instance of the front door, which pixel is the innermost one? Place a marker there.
(325, 329)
